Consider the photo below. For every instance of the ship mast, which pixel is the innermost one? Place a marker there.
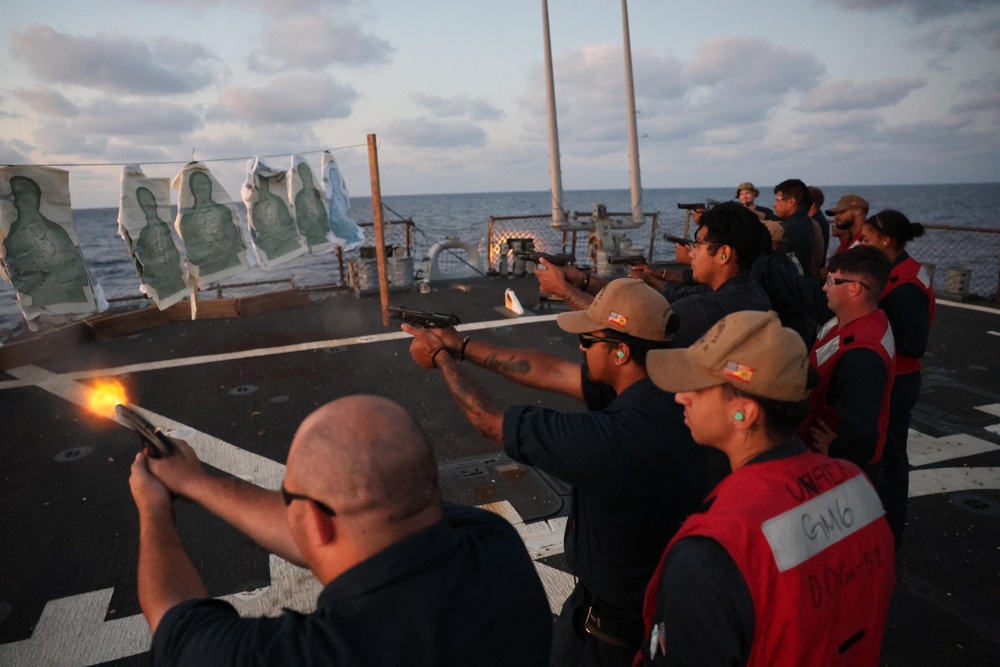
(633, 135)
(555, 169)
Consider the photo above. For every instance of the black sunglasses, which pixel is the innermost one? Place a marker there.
(841, 281)
(586, 340)
(288, 497)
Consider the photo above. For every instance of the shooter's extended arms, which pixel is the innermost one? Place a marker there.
(631, 260)
(159, 444)
(532, 256)
(422, 318)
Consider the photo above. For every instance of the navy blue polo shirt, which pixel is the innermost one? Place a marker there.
(461, 592)
(636, 475)
(699, 307)
(799, 238)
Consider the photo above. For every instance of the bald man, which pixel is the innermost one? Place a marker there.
(407, 579)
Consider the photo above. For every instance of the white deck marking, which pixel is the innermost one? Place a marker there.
(992, 409)
(211, 450)
(542, 538)
(949, 480)
(270, 351)
(72, 632)
(967, 306)
(993, 333)
(923, 449)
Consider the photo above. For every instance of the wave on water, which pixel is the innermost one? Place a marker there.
(466, 216)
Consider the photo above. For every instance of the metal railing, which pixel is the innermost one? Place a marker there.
(962, 260)
(571, 239)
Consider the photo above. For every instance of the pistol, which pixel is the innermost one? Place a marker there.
(422, 318)
(631, 260)
(159, 444)
(533, 256)
(680, 240)
(691, 207)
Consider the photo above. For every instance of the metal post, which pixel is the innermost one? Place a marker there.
(383, 281)
(555, 169)
(633, 132)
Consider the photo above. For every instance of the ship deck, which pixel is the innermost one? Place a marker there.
(238, 388)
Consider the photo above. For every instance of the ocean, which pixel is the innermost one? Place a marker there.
(972, 257)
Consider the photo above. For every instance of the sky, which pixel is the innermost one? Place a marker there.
(835, 92)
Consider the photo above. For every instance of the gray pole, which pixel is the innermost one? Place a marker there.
(555, 170)
(633, 134)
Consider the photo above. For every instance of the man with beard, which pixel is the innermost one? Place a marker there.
(849, 217)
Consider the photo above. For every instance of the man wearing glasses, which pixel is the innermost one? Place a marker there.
(635, 472)
(728, 241)
(854, 355)
(407, 580)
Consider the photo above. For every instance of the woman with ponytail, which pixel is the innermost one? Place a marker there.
(908, 301)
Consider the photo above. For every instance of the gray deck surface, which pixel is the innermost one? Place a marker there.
(68, 526)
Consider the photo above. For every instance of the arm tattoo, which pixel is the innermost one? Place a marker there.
(481, 411)
(578, 300)
(508, 367)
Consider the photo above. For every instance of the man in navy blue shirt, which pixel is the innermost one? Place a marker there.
(407, 580)
(635, 472)
(791, 207)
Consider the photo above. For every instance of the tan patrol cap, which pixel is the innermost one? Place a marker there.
(846, 202)
(747, 185)
(749, 350)
(624, 305)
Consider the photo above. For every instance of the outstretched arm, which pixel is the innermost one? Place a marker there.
(256, 512)
(530, 368)
(166, 575)
(569, 283)
(429, 351)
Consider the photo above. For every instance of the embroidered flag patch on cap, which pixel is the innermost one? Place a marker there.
(617, 318)
(737, 371)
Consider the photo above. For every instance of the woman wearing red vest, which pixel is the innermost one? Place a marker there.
(790, 560)
(908, 301)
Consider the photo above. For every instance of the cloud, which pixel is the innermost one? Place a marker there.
(458, 106)
(985, 97)
(435, 134)
(144, 118)
(919, 10)
(752, 65)
(725, 94)
(273, 7)
(115, 63)
(47, 102)
(13, 151)
(590, 94)
(842, 95)
(287, 99)
(62, 138)
(140, 126)
(313, 42)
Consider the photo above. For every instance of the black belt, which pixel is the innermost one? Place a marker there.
(610, 630)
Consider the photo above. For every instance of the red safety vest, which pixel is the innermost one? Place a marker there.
(848, 243)
(809, 535)
(870, 332)
(911, 272)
